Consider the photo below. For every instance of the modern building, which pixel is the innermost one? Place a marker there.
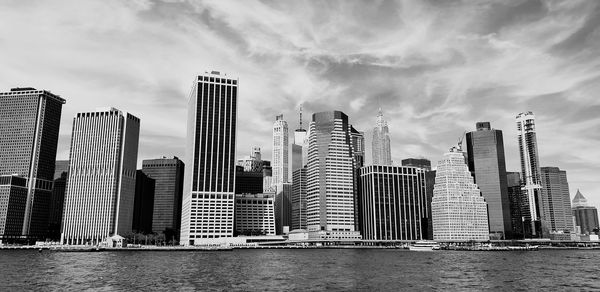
(143, 204)
(248, 182)
(425, 165)
(530, 175)
(209, 186)
(280, 151)
(29, 125)
(57, 200)
(392, 200)
(382, 154)
(458, 210)
(254, 214)
(283, 208)
(485, 148)
(299, 146)
(168, 176)
(330, 174)
(102, 168)
(299, 199)
(556, 200)
(586, 215)
(516, 204)
(422, 163)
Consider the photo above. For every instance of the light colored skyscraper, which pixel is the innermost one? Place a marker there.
(530, 174)
(101, 187)
(458, 210)
(299, 145)
(29, 124)
(556, 200)
(281, 146)
(486, 160)
(209, 184)
(382, 154)
(330, 174)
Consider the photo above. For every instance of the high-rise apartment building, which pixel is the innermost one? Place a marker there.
(168, 176)
(392, 202)
(209, 185)
(29, 125)
(299, 199)
(330, 174)
(485, 148)
(515, 199)
(102, 168)
(459, 211)
(556, 200)
(143, 204)
(586, 215)
(382, 154)
(530, 175)
(280, 157)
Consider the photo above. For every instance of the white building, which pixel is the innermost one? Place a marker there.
(458, 210)
(101, 185)
(280, 157)
(255, 214)
(382, 154)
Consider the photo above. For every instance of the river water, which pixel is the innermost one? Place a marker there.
(300, 270)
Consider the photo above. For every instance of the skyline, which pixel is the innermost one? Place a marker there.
(424, 68)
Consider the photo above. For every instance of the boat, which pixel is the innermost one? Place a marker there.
(424, 246)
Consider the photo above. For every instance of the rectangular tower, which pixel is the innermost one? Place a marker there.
(102, 168)
(556, 200)
(209, 185)
(299, 199)
(143, 205)
(280, 151)
(515, 199)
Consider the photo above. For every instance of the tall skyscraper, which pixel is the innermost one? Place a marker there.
(330, 174)
(586, 215)
(280, 157)
(168, 176)
(425, 165)
(485, 148)
(382, 154)
(515, 199)
(299, 145)
(209, 186)
(530, 174)
(459, 211)
(102, 168)
(392, 202)
(143, 204)
(556, 200)
(299, 199)
(29, 125)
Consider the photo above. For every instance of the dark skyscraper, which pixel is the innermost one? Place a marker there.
(57, 200)
(209, 186)
(29, 125)
(299, 199)
(485, 148)
(168, 176)
(143, 204)
(515, 199)
(248, 182)
(283, 207)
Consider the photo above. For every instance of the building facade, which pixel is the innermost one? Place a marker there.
(459, 212)
(586, 215)
(209, 185)
(299, 199)
(29, 126)
(382, 154)
(515, 199)
(255, 214)
(102, 168)
(485, 148)
(392, 200)
(556, 200)
(299, 146)
(57, 201)
(283, 208)
(422, 163)
(143, 204)
(248, 182)
(280, 156)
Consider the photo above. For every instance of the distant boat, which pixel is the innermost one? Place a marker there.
(424, 246)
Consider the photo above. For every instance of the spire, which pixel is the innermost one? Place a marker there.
(381, 122)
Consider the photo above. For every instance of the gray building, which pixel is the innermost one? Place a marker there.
(485, 148)
(254, 214)
(299, 199)
(143, 205)
(586, 215)
(515, 199)
(57, 201)
(283, 208)
(422, 163)
(425, 165)
(381, 151)
(29, 126)
(556, 200)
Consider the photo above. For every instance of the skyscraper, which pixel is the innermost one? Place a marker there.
(530, 174)
(283, 208)
(556, 200)
(143, 204)
(586, 216)
(29, 125)
(515, 199)
(330, 174)
(209, 185)
(485, 148)
(102, 168)
(382, 154)
(459, 211)
(299, 145)
(168, 176)
(57, 201)
(280, 151)
(299, 199)
(425, 165)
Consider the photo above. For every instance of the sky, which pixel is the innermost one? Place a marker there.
(434, 67)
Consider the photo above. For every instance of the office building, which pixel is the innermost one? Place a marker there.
(530, 175)
(392, 202)
(299, 146)
(586, 215)
(556, 200)
(254, 214)
(209, 185)
(458, 210)
(57, 200)
(421, 163)
(280, 151)
(485, 148)
(143, 203)
(29, 125)
(382, 154)
(299, 199)
(101, 185)
(358, 147)
(330, 174)
(248, 182)
(516, 206)
(168, 176)
(283, 208)
(425, 165)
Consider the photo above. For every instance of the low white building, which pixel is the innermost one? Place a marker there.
(255, 214)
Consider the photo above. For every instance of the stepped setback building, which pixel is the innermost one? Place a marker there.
(382, 154)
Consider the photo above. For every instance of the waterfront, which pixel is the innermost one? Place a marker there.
(310, 269)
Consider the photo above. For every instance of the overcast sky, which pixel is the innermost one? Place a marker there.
(435, 67)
